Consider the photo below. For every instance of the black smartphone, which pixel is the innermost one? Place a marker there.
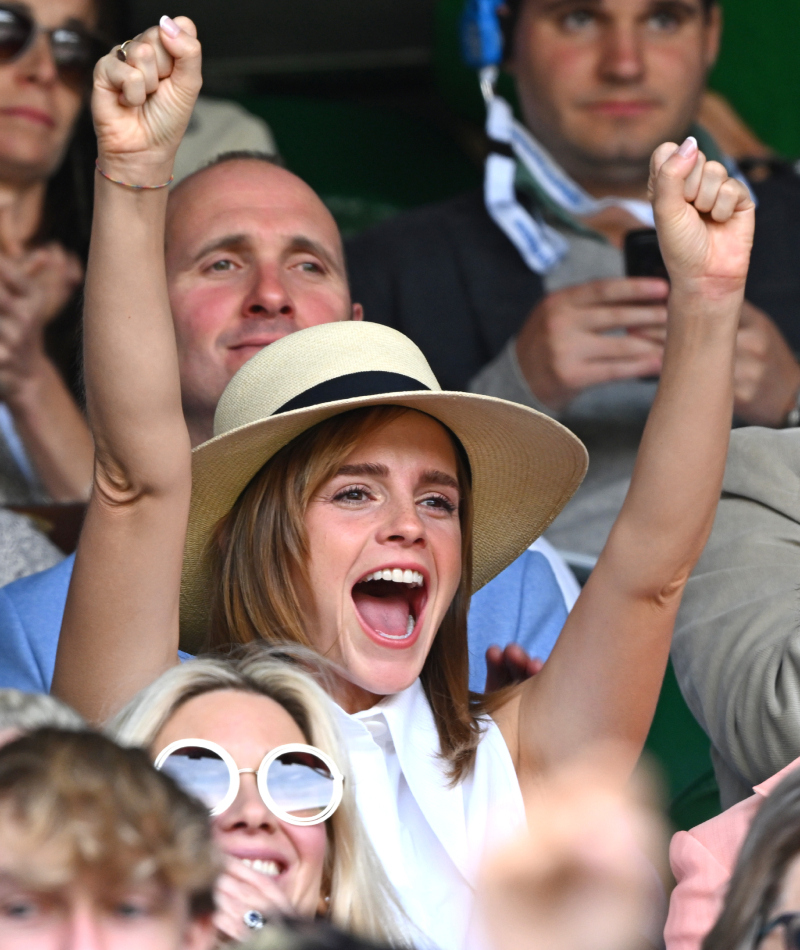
(643, 255)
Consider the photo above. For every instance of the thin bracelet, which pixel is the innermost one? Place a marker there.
(126, 184)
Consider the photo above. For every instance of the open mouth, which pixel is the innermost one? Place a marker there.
(390, 602)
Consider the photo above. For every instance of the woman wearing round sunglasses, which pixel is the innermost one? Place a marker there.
(337, 505)
(254, 740)
(47, 53)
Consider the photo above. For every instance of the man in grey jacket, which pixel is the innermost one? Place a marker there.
(736, 649)
(600, 85)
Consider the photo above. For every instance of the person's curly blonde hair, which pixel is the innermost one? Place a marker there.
(73, 803)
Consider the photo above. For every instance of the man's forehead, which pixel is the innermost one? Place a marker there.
(254, 216)
(251, 233)
(607, 6)
(259, 195)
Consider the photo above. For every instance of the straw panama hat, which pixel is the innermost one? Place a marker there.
(525, 465)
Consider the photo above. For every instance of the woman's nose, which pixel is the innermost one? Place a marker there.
(248, 810)
(403, 525)
(38, 64)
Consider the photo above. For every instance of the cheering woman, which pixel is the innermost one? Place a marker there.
(346, 502)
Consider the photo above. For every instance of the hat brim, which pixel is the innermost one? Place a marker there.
(525, 467)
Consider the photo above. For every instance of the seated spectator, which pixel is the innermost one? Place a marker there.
(736, 650)
(46, 165)
(762, 902)
(249, 286)
(702, 862)
(23, 712)
(99, 849)
(274, 864)
(46, 141)
(557, 326)
(340, 508)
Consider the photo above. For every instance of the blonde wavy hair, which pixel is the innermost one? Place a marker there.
(361, 898)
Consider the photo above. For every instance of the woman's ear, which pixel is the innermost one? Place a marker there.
(324, 905)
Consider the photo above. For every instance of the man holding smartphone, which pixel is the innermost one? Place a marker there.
(600, 84)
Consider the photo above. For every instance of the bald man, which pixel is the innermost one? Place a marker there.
(252, 255)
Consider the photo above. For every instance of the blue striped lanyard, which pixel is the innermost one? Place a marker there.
(542, 247)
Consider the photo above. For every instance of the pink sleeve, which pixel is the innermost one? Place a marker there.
(697, 899)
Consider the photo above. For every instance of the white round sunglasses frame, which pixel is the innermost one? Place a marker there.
(261, 777)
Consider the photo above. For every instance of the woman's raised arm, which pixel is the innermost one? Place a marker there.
(120, 627)
(603, 678)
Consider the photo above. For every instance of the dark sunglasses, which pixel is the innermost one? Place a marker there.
(791, 930)
(75, 49)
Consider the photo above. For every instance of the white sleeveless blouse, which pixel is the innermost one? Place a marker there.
(431, 837)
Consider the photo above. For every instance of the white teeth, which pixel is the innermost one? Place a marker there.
(410, 625)
(269, 868)
(398, 576)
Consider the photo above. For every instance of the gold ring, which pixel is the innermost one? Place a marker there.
(121, 53)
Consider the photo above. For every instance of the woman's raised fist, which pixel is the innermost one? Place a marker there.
(704, 219)
(143, 99)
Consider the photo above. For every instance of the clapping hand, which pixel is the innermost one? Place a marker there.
(34, 287)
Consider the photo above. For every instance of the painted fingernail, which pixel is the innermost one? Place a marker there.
(689, 147)
(169, 26)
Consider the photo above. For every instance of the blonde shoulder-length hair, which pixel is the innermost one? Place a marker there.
(361, 898)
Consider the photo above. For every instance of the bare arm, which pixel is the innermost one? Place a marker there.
(603, 677)
(120, 626)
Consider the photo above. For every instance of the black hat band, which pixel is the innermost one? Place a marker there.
(353, 386)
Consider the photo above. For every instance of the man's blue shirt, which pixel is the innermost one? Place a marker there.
(527, 603)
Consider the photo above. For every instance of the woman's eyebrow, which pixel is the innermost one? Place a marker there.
(434, 477)
(364, 468)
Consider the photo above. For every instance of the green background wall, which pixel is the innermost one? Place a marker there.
(759, 68)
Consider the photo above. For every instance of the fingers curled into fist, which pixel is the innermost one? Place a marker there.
(144, 94)
(704, 217)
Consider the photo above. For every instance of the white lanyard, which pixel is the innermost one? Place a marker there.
(542, 246)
